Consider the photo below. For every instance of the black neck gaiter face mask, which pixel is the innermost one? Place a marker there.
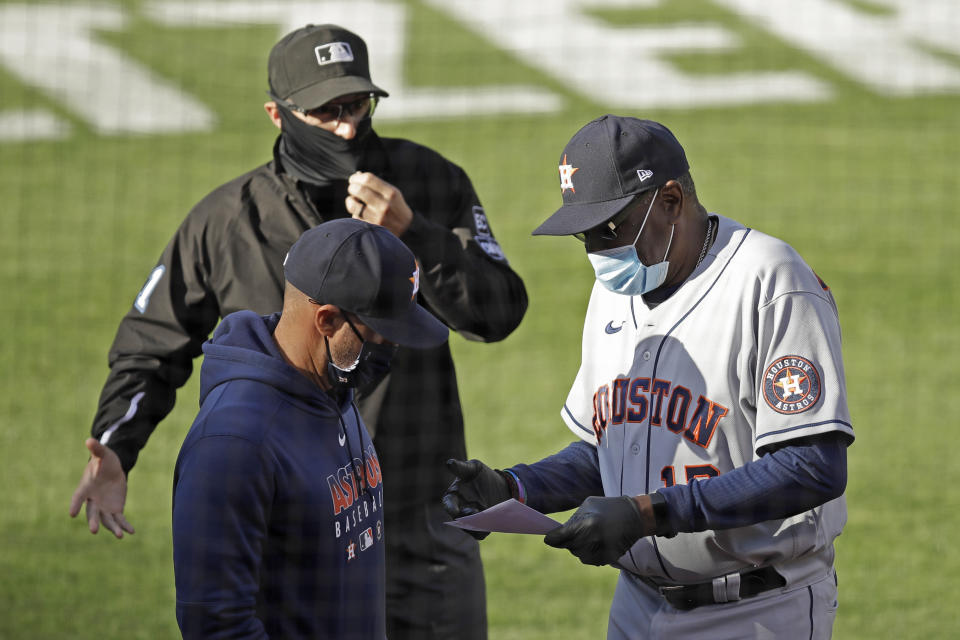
(317, 156)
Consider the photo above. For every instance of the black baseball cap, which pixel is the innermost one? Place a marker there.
(606, 164)
(366, 270)
(317, 63)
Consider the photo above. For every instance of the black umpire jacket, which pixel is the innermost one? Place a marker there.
(228, 254)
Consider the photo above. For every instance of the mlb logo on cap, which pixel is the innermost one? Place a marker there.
(317, 63)
(334, 52)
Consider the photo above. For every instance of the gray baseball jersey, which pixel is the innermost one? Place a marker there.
(744, 355)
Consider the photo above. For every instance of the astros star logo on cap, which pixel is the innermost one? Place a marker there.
(415, 279)
(566, 175)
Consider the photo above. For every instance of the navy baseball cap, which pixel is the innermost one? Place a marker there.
(366, 270)
(606, 164)
(317, 63)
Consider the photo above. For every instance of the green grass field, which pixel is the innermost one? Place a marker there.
(863, 184)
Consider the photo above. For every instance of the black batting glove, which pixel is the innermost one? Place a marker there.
(601, 530)
(477, 487)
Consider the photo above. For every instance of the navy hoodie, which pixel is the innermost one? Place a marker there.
(277, 501)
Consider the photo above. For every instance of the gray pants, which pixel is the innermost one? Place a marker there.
(796, 611)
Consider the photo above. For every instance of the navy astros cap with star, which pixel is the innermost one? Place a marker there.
(366, 270)
(606, 164)
(317, 63)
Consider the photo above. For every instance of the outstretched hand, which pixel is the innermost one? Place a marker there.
(103, 488)
(477, 487)
(604, 528)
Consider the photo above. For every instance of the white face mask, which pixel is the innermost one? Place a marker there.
(620, 269)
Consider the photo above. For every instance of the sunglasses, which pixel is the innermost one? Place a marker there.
(607, 231)
(335, 111)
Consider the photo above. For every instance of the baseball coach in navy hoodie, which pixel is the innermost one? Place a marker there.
(278, 497)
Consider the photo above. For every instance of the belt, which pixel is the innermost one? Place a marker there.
(728, 588)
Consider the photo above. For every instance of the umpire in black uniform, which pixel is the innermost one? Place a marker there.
(228, 255)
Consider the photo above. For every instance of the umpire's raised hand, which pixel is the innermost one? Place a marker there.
(476, 487)
(604, 528)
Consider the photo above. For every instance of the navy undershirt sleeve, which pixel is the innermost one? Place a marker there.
(783, 483)
(561, 481)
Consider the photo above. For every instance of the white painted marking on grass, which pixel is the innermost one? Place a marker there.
(625, 66)
(53, 47)
(383, 26)
(879, 51)
(19, 125)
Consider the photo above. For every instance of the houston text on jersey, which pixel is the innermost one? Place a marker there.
(629, 400)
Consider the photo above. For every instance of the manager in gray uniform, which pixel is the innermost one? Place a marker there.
(228, 255)
(710, 407)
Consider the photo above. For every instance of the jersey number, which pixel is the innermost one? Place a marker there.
(669, 477)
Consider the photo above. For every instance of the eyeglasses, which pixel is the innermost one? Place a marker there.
(335, 111)
(608, 230)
